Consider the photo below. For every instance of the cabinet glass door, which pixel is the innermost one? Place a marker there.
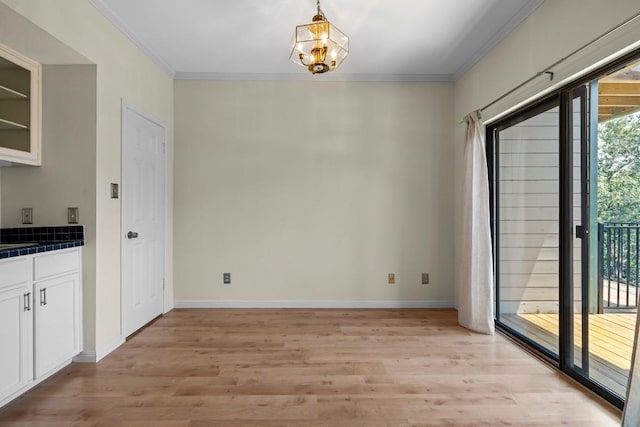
(20, 108)
(15, 96)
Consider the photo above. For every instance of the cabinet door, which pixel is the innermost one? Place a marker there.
(57, 322)
(20, 108)
(16, 339)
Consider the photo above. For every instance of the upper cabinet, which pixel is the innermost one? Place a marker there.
(20, 108)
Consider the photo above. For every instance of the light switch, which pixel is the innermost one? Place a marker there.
(73, 215)
(114, 190)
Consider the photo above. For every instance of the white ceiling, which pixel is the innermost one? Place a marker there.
(404, 40)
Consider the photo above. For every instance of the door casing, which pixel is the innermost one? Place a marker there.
(126, 108)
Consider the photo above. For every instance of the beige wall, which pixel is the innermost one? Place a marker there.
(554, 30)
(67, 175)
(312, 192)
(294, 216)
(123, 71)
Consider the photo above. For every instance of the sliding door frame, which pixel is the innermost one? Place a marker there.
(563, 97)
(493, 162)
(583, 93)
(565, 233)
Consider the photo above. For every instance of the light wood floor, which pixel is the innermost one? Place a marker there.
(333, 368)
(610, 342)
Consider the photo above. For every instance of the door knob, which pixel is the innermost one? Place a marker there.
(132, 235)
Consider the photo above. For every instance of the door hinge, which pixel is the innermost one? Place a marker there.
(581, 232)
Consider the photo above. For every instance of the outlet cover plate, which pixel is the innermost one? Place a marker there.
(27, 215)
(114, 190)
(226, 278)
(425, 278)
(392, 278)
(73, 215)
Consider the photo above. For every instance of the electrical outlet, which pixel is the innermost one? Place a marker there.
(73, 215)
(27, 215)
(425, 278)
(392, 278)
(226, 278)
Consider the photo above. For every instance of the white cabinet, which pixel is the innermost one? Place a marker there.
(16, 326)
(56, 288)
(40, 315)
(20, 108)
(57, 322)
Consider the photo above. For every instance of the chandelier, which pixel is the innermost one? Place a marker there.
(319, 46)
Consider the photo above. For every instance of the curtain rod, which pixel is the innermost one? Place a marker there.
(560, 61)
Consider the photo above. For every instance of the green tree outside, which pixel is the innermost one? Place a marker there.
(619, 195)
(619, 169)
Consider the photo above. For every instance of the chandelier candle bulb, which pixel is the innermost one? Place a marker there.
(312, 41)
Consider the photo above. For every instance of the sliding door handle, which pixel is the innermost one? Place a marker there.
(581, 232)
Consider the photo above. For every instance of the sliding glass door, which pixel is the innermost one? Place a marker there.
(578, 230)
(564, 285)
(526, 226)
(615, 224)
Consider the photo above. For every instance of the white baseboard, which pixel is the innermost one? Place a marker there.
(85, 357)
(312, 304)
(168, 306)
(105, 350)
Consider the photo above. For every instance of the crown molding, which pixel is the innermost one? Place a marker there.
(118, 22)
(499, 35)
(305, 76)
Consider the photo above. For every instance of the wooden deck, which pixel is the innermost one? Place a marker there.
(610, 342)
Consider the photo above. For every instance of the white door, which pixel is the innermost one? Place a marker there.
(143, 223)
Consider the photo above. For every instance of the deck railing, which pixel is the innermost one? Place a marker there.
(618, 264)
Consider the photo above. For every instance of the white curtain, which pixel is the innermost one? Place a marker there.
(631, 415)
(475, 291)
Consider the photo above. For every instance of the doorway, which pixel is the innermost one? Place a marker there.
(143, 218)
(565, 185)
(615, 200)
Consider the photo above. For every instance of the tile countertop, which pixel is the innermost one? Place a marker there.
(32, 240)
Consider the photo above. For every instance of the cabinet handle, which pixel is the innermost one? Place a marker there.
(27, 301)
(43, 296)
